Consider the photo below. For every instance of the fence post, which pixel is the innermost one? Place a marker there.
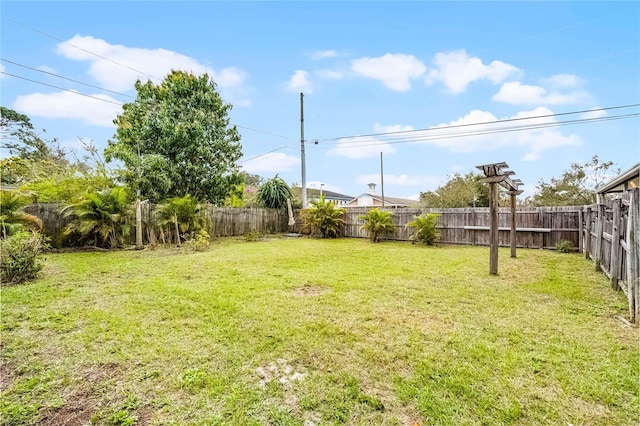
(587, 242)
(597, 256)
(512, 233)
(633, 254)
(615, 245)
(493, 229)
(580, 231)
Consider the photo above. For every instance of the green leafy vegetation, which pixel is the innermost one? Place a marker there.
(19, 261)
(324, 217)
(575, 186)
(330, 331)
(13, 219)
(377, 223)
(459, 191)
(564, 246)
(102, 219)
(176, 139)
(274, 193)
(182, 214)
(425, 226)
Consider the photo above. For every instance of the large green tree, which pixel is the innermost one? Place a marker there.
(575, 186)
(176, 139)
(459, 191)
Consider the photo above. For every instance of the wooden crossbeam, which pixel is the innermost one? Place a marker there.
(493, 169)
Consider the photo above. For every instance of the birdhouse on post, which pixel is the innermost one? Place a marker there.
(495, 174)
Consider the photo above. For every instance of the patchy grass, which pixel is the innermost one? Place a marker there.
(309, 332)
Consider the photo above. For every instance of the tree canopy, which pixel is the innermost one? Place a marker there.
(576, 186)
(459, 191)
(176, 139)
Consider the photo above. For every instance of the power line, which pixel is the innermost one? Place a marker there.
(61, 88)
(261, 131)
(262, 155)
(355, 144)
(65, 78)
(84, 50)
(100, 99)
(431, 129)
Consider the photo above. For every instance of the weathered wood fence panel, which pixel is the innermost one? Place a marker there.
(611, 234)
(536, 228)
(219, 221)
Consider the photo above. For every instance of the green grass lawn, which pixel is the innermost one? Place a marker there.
(311, 332)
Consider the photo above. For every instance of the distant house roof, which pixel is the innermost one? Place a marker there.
(371, 199)
(388, 201)
(623, 182)
(329, 195)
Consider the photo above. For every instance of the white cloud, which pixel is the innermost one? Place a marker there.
(46, 68)
(398, 180)
(517, 93)
(467, 135)
(360, 147)
(118, 73)
(594, 113)
(70, 105)
(563, 81)
(323, 54)
(299, 82)
(274, 162)
(457, 69)
(394, 70)
(329, 74)
(379, 128)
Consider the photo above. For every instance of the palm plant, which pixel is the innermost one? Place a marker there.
(183, 213)
(377, 223)
(12, 217)
(103, 217)
(274, 193)
(325, 217)
(425, 226)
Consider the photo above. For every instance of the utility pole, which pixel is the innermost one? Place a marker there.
(382, 178)
(304, 172)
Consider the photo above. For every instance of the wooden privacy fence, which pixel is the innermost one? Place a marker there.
(538, 227)
(220, 221)
(611, 235)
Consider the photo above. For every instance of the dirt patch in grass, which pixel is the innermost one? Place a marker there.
(80, 406)
(7, 376)
(77, 410)
(310, 290)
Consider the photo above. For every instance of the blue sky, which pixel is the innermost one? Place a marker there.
(366, 68)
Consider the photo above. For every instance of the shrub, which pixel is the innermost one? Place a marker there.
(18, 257)
(274, 193)
(564, 246)
(324, 217)
(377, 223)
(200, 241)
(425, 226)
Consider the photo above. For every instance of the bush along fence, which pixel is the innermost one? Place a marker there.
(218, 222)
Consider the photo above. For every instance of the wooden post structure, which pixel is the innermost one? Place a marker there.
(512, 234)
(493, 229)
(597, 256)
(494, 175)
(587, 241)
(614, 268)
(633, 254)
